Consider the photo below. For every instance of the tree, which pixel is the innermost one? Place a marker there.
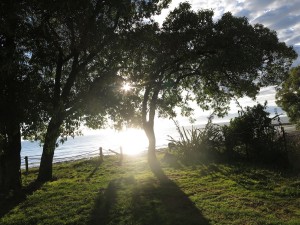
(9, 128)
(254, 133)
(77, 51)
(15, 103)
(288, 96)
(191, 57)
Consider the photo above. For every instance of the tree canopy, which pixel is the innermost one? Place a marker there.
(191, 57)
(78, 50)
(288, 96)
(73, 50)
(72, 57)
(17, 90)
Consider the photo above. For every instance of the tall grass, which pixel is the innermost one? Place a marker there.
(198, 144)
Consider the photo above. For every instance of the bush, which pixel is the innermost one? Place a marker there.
(198, 144)
(293, 146)
(253, 136)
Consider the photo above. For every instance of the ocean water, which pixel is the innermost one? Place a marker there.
(132, 141)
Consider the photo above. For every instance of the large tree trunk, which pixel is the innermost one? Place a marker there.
(10, 160)
(149, 130)
(53, 131)
(10, 140)
(148, 125)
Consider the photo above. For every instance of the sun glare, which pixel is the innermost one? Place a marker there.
(126, 87)
(133, 141)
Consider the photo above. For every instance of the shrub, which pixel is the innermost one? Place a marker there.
(253, 136)
(293, 146)
(198, 144)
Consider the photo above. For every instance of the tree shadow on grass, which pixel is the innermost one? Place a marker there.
(8, 203)
(97, 165)
(108, 204)
(179, 207)
(150, 200)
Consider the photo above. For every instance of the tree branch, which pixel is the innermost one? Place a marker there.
(57, 84)
(71, 79)
(153, 104)
(145, 104)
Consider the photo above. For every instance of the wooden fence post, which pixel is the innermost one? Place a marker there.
(26, 165)
(284, 138)
(121, 154)
(101, 154)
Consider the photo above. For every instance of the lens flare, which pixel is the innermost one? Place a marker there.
(126, 87)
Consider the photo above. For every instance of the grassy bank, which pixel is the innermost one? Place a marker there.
(90, 192)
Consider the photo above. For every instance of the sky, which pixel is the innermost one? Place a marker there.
(278, 15)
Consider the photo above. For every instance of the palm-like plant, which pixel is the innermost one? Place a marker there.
(196, 143)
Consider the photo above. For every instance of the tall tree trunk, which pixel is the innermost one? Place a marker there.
(10, 140)
(53, 131)
(148, 125)
(10, 160)
(149, 130)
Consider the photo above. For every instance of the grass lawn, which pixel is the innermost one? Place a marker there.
(90, 192)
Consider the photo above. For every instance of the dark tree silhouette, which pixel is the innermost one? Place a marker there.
(77, 50)
(288, 96)
(191, 57)
(15, 91)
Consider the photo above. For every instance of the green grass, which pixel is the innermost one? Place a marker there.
(90, 192)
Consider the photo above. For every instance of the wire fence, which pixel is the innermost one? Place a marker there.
(34, 160)
(31, 161)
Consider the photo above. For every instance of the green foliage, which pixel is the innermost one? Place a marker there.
(288, 96)
(193, 57)
(293, 146)
(252, 134)
(17, 90)
(198, 144)
(74, 50)
(189, 141)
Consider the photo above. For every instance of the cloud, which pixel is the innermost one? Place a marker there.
(284, 20)
(294, 40)
(281, 16)
(243, 13)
